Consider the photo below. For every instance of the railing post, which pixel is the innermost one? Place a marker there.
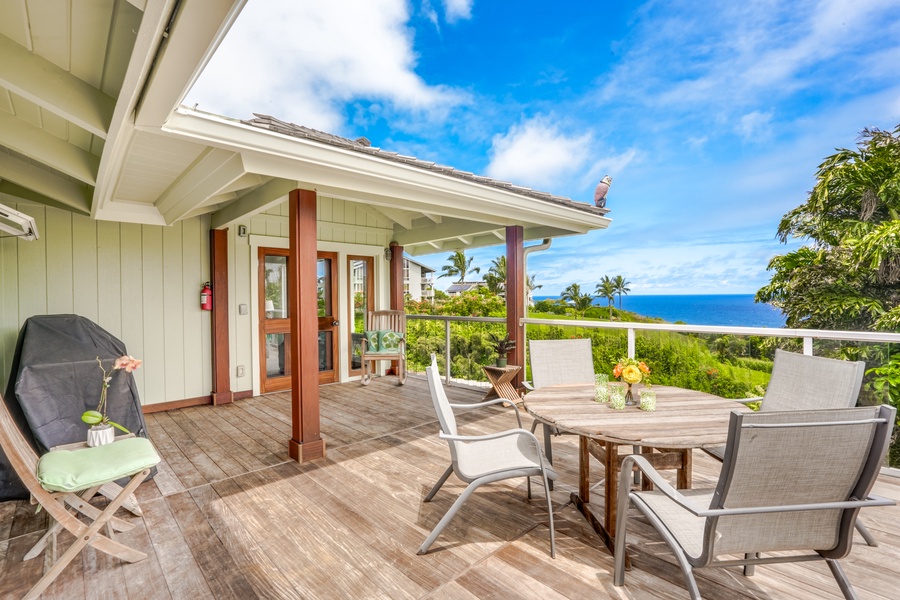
(807, 346)
(447, 349)
(630, 343)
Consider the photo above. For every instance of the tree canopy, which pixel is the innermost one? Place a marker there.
(848, 275)
(459, 266)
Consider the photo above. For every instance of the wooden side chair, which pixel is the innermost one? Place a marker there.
(791, 486)
(63, 482)
(384, 339)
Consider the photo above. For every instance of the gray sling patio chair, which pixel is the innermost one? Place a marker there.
(555, 362)
(803, 382)
(830, 458)
(482, 459)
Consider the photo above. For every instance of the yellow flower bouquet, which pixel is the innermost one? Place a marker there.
(631, 371)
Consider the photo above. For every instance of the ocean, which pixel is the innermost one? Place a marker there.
(736, 310)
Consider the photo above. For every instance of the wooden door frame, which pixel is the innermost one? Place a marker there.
(335, 374)
(370, 304)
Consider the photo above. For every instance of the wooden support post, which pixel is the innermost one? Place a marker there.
(306, 442)
(218, 269)
(396, 291)
(515, 297)
(397, 296)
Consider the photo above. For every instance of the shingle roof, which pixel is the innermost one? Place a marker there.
(465, 286)
(363, 146)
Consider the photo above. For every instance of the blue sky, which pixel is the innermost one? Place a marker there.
(711, 117)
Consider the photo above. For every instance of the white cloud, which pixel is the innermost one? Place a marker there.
(754, 126)
(302, 61)
(538, 153)
(458, 10)
(756, 53)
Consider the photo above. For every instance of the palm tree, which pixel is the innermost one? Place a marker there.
(607, 289)
(530, 286)
(495, 278)
(459, 266)
(581, 301)
(621, 287)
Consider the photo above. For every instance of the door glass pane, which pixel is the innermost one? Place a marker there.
(277, 363)
(326, 354)
(323, 281)
(276, 306)
(358, 288)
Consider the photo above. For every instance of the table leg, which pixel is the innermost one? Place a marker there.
(581, 500)
(684, 473)
(646, 485)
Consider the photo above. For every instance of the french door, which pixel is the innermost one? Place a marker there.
(275, 321)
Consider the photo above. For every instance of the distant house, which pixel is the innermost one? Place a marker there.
(463, 286)
(418, 280)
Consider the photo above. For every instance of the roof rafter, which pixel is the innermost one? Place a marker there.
(17, 191)
(212, 172)
(448, 230)
(262, 198)
(63, 191)
(37, 144)
(54, 89)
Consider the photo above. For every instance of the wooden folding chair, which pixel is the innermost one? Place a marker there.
(63, 482)
(372, 350)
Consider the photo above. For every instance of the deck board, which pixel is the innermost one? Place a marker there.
(231, 516)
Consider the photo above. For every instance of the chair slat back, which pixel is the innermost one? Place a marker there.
(795, 458)
(395, 320)
(801, 382)
(556, 362)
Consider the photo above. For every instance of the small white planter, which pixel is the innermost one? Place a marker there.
(99, 435)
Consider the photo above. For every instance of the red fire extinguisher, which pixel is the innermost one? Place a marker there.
(206, 297)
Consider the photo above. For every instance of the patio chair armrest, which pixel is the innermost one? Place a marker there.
(490, 436)
(491, 403)
(749, 400)
(528, 386)
(870, 500)
(657, 480)
(500, 434)
(481, 404)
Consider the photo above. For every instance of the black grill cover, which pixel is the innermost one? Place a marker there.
(55, 378)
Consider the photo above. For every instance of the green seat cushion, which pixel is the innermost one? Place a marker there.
(75, 470)
(371, 341)
(389, 341)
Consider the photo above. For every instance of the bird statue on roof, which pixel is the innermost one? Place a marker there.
(601, 190)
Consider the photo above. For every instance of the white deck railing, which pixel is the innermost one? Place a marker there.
(807, 335)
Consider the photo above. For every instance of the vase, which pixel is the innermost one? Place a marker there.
(617, 398)
(98, 435)
(648, 400)
(501, 362)
(629, 397)
(601, 387)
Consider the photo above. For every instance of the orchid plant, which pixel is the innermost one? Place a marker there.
(99, 416)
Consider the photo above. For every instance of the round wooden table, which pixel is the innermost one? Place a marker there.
(683, 420)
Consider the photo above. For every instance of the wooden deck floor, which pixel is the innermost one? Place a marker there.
(230, 516)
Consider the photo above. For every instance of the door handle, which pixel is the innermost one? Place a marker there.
(335, 323)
